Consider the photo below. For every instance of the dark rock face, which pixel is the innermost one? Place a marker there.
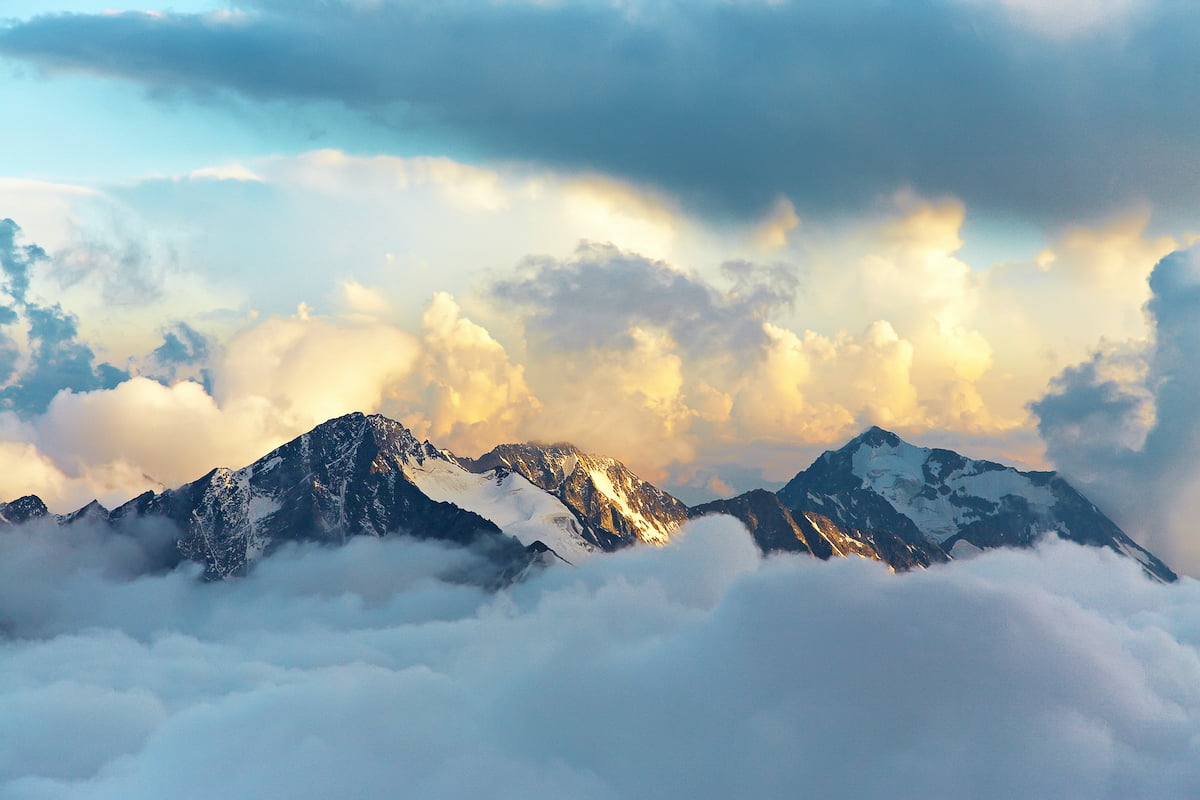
(776, 528)
(344, 478)
(23, 509)
(876, 497)
(771, 523)
(615, 508)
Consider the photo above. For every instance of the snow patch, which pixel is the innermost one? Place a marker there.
(898, 475)
(648, 531)
(518, 507)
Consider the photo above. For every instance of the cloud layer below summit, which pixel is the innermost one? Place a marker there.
(696, 670)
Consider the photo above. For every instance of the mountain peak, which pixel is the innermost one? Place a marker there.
(879, 481)
(23, 509)
(874, 436)
(614, 506)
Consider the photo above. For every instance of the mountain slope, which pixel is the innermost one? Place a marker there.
(23, 509)
(776, 528)
(879, 481)
(877, 497)
(614, 507)
(344, 478)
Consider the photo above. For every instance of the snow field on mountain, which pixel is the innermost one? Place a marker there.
(518, 507)
(694, 670)
(897, 474)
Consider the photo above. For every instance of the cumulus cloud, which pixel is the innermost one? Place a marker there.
(560, 83)
(274, 380)
(1125, 423)
(694, 670)
(626, 352)
(474, 397)
(694, 368)
(307, 369)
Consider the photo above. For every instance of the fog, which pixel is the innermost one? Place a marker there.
(696, 670)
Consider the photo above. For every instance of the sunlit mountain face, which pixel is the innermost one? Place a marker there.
(598, 399)
(527, 505)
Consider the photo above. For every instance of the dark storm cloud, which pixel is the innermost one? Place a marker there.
(594, 298)
(727, 103)
(1136, 443)
(56, 358)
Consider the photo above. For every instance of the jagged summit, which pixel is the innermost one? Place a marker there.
(23, 509)
(346, 477)
(874, 436)
(613, 506)
(877, 496)
(92, 512)
(391, 444)
(879, 481)
(546, 465)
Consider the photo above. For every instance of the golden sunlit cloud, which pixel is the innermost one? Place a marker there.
(879, 321)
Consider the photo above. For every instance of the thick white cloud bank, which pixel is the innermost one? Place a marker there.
(695, 670)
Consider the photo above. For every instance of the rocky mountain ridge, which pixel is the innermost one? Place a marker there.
(876, 497)
(614, 507)
(937, 497)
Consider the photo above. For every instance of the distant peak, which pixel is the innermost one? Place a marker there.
(876, 436)
(24, 509)
(546, 447)
(553, 458)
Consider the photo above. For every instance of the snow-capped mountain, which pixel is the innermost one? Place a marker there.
(537, 505)
(938, 497)
(350, 476)
(368, 475)
(613, 506)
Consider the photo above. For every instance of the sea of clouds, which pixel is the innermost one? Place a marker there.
(699, 669)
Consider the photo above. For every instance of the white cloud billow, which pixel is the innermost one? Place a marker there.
(695, 670)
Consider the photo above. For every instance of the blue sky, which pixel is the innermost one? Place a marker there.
(709, 238)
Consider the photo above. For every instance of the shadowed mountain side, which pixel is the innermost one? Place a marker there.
(776, 528)
(344, 478)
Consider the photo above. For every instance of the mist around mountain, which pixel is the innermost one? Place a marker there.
(530, 504)
(699, 669)
(572, 631)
